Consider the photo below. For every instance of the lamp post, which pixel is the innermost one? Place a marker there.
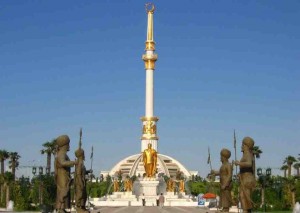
(263, 179)
(41, 185)
(47, 171)
(278, 185)
(34, 171)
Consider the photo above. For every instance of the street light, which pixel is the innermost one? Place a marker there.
(40, 170)
(263, 179)
(48, 171)
(34, 170)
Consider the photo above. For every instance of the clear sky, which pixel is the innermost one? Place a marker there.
(222, 65)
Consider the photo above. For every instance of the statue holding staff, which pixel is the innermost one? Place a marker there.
(247, 179)
(80, 179)
(225, 174)
(62, 166)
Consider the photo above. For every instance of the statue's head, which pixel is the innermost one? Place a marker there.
(225, 153)
(79, 153)
(249, 142)
(62, 141)
(149, 145)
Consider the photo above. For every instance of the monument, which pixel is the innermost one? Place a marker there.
(134, 165)
(247, 179)
(62, 165)
(149, 165)
(225, 174)
(80, 179)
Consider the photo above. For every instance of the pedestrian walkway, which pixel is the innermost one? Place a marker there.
(142, 209)
(151, 209)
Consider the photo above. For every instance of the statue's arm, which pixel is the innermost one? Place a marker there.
(247, 161)
(215, 172)
(144, 158)
(63, 162)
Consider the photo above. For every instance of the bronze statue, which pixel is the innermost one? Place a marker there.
(128, 185)
(116, 185)
(225, 174)
(247, 179)
(181, 186)
(150, 161)
(62, 166)
(80, 179)
(171, 185)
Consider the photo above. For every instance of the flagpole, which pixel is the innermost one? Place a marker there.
(209, 160)
(234, 145)
(92, 157)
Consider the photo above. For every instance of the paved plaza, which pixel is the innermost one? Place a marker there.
(150, 209)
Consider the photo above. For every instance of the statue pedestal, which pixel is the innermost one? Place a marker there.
(148, 187)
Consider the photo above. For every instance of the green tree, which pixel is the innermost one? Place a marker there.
(14, 162)
(297, 167)
(3, 156)
(289, 160)
(197, 187)
(8, 180)
(256, 154)
(289, 191)
(49, 149)
(284, 168)
(21, 194)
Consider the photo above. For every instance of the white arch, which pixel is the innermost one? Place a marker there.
(181, 167)
(135, 165)
(118, 165)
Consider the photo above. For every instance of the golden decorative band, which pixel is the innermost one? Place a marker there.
(149, 65)
(150, 45)
(149, 128)
(147, 57)
(144, 118)
(149, 138)
(149, 61)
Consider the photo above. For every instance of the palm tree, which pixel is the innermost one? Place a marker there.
(14, 163)
(50, 148)
(3, 156)
(7, 179)
(256, 154)
(297, 167)
(284, 168)
(289, 160)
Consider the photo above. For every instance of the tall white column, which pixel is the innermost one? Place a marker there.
(149, 120)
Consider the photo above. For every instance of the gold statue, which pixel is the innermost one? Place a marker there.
(116, 185)
(128, 185)
(171, 185)
(181, 186)
(150, 161)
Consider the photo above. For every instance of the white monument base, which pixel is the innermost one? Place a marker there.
(122, 196)
(149, 188)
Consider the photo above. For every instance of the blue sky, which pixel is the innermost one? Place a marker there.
(222, 65)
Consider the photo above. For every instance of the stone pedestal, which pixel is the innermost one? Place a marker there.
(148, 187)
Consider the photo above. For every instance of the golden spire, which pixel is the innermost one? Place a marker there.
(150, 44)
(150, 10)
